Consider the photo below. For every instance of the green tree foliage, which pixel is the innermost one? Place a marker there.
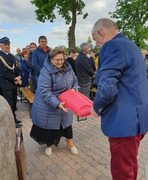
(96, 49)
(64, 48)
(132, 20)
(68, 9)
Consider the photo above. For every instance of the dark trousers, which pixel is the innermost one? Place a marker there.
(11, 97)
(124, 151)
(1, 92)
(34, 82)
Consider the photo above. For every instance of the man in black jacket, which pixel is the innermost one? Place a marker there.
(9, 76)
(84, 70)
(70, 59)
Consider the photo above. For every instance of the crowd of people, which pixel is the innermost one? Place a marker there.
(119, 73)
(75, 72)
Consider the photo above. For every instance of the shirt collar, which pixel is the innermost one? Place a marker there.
(47, 48)
(4, 52)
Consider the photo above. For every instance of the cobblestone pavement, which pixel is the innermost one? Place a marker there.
(92, 161)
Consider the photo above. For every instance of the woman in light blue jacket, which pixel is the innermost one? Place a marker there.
(50, 118)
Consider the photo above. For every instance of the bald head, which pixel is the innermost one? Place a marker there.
(18, 50)
(104, 30)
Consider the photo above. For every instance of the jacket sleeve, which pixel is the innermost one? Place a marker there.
(108, 76)
(6, 73)
(35, 63)
(30, 60)
(45, 89)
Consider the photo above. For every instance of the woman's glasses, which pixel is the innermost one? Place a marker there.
(58, 60)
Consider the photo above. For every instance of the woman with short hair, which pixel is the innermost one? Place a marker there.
(50, 118)
(25, 68)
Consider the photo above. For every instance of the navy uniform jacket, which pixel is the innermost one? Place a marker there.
(7, 76)
(122, 96)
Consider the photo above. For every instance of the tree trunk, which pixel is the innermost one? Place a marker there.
(71, 42)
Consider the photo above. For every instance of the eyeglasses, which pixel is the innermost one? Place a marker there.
(32, 47)
(58, 60)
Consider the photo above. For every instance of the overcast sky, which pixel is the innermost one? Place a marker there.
(18, 22)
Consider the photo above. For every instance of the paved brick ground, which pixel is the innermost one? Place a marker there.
(92, 162)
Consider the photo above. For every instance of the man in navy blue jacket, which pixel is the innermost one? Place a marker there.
(39, 55)
(122, 97)
(84, 70)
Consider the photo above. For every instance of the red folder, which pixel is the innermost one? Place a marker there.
(76, 102)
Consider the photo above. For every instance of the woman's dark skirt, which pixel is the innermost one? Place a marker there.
(50, 137)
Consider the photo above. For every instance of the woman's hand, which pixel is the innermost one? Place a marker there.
(62, 107)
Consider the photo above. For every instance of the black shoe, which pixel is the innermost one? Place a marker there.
(18, 125)
(17, 121)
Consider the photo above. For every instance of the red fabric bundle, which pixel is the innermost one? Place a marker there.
(76, 102)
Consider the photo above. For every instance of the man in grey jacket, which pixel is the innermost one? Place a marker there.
(18, 59)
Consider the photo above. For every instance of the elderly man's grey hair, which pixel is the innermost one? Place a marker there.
(83, 46)
(106, 24)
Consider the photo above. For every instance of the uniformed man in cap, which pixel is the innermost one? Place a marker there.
(9, 76)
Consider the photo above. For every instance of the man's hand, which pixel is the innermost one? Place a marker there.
(93, 76)
(62, 107)
(17, 79)
(93, 112)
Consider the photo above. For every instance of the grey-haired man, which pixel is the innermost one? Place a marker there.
(84, 70)
(9, 76)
